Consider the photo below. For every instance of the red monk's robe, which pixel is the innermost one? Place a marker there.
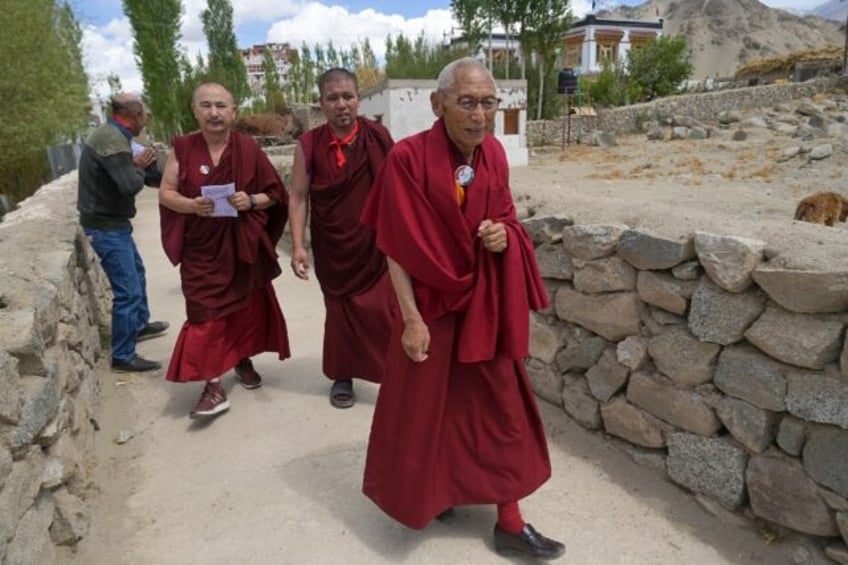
(226, 264)
(461, 427)
(358, 295)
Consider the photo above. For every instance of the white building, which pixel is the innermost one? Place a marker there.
(403, 106)
(592, 42)
(494, 47)
(253, 56)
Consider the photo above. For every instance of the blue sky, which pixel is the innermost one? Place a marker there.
(108, 38)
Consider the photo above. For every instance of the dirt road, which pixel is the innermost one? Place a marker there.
(276, 480)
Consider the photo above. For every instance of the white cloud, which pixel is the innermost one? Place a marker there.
(264, 10)
(310, 24)
(108, 50)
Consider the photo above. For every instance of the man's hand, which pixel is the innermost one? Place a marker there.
(493, 235)
(143, 159)
(300, 263)
(202, 206)
(416, 340)
(239, 200)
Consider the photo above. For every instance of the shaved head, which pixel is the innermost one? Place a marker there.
(211, 86)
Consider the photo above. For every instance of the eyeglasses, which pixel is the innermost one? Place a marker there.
(469, 103)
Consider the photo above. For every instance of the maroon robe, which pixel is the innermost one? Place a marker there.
(226, 264)
(461, 427)
(358, 295)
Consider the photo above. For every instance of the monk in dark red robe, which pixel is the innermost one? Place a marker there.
(334, 168)
(227, 262)
(456, 421)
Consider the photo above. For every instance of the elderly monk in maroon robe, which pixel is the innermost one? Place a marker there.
(334, 167)
(223, 209)
(456, 421)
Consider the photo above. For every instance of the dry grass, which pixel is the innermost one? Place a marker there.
(693, 165)
(786, 63)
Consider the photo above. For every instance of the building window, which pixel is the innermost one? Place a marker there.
(574, 56)
(607, 54)
(511, 121)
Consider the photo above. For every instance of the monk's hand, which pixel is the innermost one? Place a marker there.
(493, 235)
(300, 263)
(416, 340)
(202, 206)
(239, 200)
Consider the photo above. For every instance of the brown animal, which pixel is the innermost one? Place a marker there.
(822, 208)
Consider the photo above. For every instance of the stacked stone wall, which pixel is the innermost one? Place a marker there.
(54, 304)
(704, 106)
(731, 374)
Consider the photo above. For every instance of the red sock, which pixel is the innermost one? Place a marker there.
(509, 518)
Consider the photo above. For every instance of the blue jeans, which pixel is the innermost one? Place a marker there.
(122, 264)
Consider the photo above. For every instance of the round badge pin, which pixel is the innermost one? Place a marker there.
(464, 175)
(204, 169)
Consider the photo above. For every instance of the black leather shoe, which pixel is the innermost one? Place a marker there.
(529, 542)
(136, 365)
(153, 329)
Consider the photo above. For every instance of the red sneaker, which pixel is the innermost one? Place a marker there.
(212, 402)
(247, 375)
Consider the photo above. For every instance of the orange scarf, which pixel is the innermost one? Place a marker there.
(338, 144)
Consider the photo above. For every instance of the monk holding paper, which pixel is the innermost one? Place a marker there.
(223, 210)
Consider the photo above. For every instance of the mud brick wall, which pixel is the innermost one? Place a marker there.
(54, 313)
(731, 375)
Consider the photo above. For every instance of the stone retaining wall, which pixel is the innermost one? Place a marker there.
(703, 106)
(54, 308)
(729, 374)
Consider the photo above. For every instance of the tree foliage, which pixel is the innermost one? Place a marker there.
(474, 20)
(654, 69)
(546, 24)
(539, 26)
(156, 30)
(225, 63)
(418, 59)
(43, 87)
(660, 66)
(275, 101)
(307, 65)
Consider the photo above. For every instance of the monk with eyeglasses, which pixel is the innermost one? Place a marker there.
(456, 421)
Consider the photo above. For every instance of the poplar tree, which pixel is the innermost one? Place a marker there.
(274, 100)
(472, 16)
(547, 22)
(225, 63)
(156, 30)
(46, 99)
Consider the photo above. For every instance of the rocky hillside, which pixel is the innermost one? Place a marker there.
(832, 10)
(724, 34)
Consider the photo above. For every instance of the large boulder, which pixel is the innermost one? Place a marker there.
(722, 317)
(803, 340)
(685, 409)
(809, 292)
(650, 252)
(613, 315)
(729, 261)
(711, 466)
(781, 492)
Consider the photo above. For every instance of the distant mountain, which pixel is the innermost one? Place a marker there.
(832, 10)
(724, 34)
